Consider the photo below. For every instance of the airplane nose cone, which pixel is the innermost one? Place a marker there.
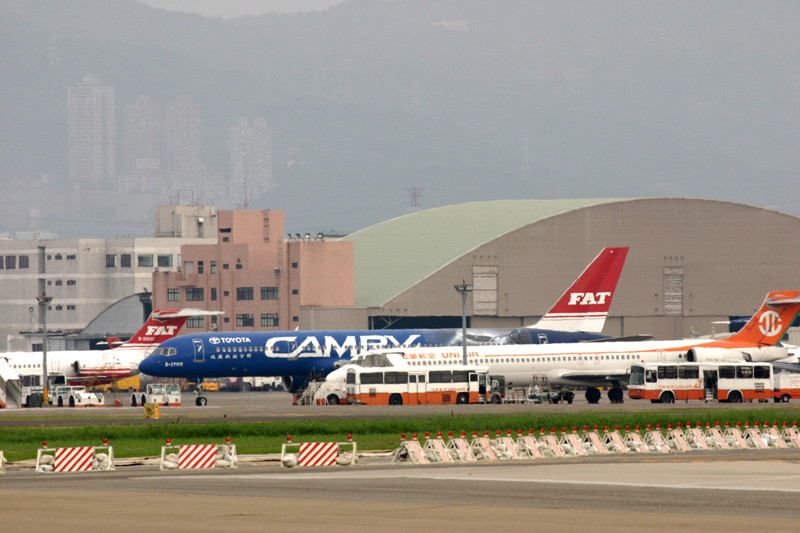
(150, 366)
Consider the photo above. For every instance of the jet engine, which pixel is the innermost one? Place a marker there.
(293, 383)
(714, 355)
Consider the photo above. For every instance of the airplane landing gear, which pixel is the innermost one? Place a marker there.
(592, 395)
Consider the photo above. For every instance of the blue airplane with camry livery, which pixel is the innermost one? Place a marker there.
(578, 316)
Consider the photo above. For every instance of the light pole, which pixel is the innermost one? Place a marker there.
(44, 300)
(463, 290)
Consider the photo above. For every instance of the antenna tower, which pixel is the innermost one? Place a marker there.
(414, 193)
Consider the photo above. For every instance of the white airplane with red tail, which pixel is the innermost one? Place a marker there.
(105, 366)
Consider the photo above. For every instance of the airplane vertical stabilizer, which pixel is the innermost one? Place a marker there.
(584, 306)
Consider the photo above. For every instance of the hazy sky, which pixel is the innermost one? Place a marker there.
(239, 8)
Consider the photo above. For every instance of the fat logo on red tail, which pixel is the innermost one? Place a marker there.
(161, 326)
(584, 306)
(770, 323)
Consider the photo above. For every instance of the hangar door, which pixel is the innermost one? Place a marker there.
(484, 290)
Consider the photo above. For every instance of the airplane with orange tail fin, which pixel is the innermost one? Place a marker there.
(597, 364)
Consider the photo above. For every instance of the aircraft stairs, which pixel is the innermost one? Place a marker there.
(305, 396)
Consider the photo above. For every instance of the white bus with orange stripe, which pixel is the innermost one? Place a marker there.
(731, 382)
(406, 386)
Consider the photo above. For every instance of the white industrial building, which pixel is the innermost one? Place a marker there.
(87, 277)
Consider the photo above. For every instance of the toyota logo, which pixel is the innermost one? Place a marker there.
(214, 340)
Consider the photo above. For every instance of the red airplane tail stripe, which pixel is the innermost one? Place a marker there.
(594, 289)
(155, 330)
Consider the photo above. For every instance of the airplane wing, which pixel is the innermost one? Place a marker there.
(594, 377)
(626, 338)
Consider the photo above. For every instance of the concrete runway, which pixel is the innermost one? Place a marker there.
(699, 491)
(270, 406)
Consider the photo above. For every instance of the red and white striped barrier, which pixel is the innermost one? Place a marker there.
(676, 440)
(78, 459)
(461, 448)
(438, 448)
(530, 445)
(196, 456)
(319, 453)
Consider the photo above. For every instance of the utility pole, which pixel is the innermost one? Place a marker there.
(44, 300)
(463, 290)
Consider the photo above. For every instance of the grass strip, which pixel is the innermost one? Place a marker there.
(136, 440)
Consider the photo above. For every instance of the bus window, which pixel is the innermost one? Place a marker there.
(351, 378)
(396, 377)
(744, 372)
(441, 376)
(473, 377)
(371, 378)
(460, 376)
(727, 372)
(667, 372)
(761, 372)
(421, 378)
(412, 378)
(689, 372)
(637, 375)
(651, 376)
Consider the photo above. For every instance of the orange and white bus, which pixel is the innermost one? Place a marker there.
(412, 386)
(731, 382)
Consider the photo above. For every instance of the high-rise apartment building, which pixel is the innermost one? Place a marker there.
(142, 135)
(251, 155)
(183, 140)
(92, 135)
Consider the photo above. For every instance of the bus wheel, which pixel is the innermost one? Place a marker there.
(735, 397)
(592, 395)
(201, 401)
(395, 399)
(133, 401)
(333, 400)
(61, 402)
(71, 401)
(462, 398)
(667, 397)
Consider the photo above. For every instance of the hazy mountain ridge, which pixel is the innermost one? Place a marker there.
(615, 98)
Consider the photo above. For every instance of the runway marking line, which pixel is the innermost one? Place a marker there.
(352, 476)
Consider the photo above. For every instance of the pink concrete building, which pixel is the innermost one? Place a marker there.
(256, 276)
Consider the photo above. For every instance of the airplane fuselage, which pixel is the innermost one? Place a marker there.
(300, 353)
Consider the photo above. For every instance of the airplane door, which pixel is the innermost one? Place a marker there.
(54, 365)
(199, 351)
(542, 338)
(662, 356)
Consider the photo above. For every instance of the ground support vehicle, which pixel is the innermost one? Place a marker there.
(787, 386)
(75, 396)
(727, 381)
(164, 394)
(455, 385)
